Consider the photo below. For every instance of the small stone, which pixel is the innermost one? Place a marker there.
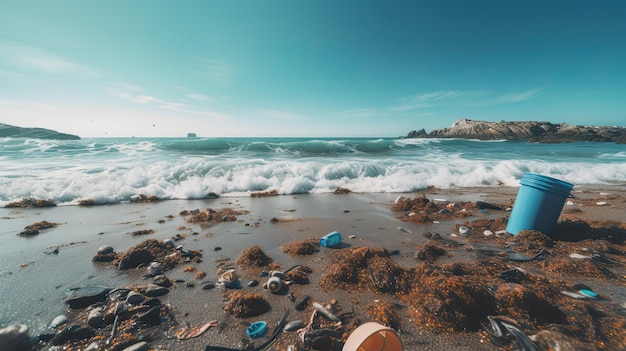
(154, 269)
(58, 321)
(104, 250)
(151, 317)
(601, 203)
(253, 282)
(96, 317)
(134, 298)
(140, 346)
(154, 291)
(352, 236)
(208, 286)
(162, 280)
(87, 295)
(169, 242)
(463, 230)
(488, 232)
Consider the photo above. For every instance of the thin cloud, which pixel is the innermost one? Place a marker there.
(358, 113)
(282, 115)
(30, 58)
(118, 91)
(218, 71)
(199, 97)
(518, 97)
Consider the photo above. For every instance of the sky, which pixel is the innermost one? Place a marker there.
(307, 68)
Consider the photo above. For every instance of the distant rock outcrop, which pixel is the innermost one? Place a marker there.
(35, 133)
(542, 132)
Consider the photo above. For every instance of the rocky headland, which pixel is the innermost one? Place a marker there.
(532, 131)
(9, 131)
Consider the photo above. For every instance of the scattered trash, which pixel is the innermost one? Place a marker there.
(187, 333)
(372, 336)
(274, 285)
(463, 230)
(325, 312)
(487, 233)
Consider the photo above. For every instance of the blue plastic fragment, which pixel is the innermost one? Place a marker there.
(588, 293)
(257, 329)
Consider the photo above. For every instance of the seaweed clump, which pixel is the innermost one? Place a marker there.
(367, 268)
(422, 210)
(383, 312)
(302, 247)
(450, 298)
(153, 250)
(30, 203)
(242, 303)
(212, 216)
(430, 252)
(254, 257)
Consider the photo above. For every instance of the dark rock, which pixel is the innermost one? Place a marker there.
(35, 133)
(134, 298)
(29, 232)
(533, 131)
(96, 317)
(151, 317)
(86, 296)
(208, 285)
(154, 291)
(162, 280)
(14, 337)
(253, 282)
(301, 305)
(105, 249)
(72, 333)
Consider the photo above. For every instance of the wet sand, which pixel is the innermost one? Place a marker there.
(34, 279)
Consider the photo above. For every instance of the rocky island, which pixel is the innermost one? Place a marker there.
(9, 131)
(532, 131)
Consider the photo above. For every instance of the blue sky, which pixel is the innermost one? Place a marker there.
(308, 68)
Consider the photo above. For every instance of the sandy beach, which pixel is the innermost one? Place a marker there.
(37, 271)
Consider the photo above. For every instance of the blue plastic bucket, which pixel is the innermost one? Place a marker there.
(538, 205)
(331, 239)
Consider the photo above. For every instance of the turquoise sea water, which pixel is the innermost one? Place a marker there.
(114, 169)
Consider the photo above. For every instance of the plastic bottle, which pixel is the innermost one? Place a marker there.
(331, 239)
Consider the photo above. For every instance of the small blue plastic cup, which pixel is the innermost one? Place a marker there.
(257, 329)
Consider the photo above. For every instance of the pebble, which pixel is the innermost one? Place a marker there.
(463, 230)
(140, 346)
(162, 280)
(134, 298)
(169, 242)
(154, 291)
(58, 321)
(352, 236)
(488, 232)
(154, 269)
(208, 286)
(104, 250)
(96, 317)
(253, 282)
(601, 203)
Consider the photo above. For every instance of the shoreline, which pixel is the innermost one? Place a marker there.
(42, 283)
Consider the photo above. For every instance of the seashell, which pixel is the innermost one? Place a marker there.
(229, 277)
(601, 203)
(578, 256)
(500, 233)
(274, 284)
(463, 230)
(488, 232)
(294, 325)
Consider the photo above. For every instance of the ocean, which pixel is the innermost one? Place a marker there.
(111, 170)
